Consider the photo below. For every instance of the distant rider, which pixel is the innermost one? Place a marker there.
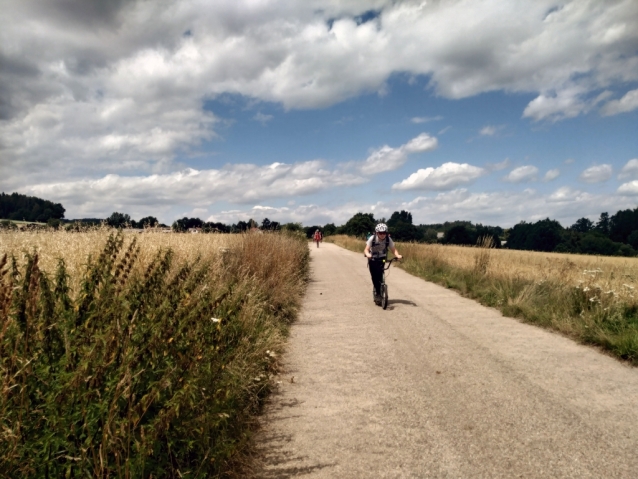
(376, 250)
(318, 237)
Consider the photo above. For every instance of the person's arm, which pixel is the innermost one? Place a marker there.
(394, 249)
(366, 251)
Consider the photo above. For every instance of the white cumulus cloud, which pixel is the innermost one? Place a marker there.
(107, 86)
(551, 174)
(630, 170)
(387, 158)
(447, 176)
(628, 102)
(522, 174)
(596, 174)
(629, 189)
(490, 130)
(425, 119)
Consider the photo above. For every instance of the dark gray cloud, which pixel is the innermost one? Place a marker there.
(88, 14)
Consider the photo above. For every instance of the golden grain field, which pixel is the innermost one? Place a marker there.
(75, 248)
(139, 354)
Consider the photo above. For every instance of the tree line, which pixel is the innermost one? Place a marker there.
(614, 235)
(19, 207)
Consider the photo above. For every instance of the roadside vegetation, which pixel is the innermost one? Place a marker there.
(589, 298)
(139, 355)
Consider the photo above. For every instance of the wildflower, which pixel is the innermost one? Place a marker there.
(215, 320)
(585, 289)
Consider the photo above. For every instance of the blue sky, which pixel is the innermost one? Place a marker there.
(489, 111)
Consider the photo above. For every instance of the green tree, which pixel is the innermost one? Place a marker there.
(329, 229)
(184, 224)
(292, 227)
(603, 225)
(20, 207)
(148, 222)
(582, 225)
(459, 234)
(622, 224)
(401, 227)
(543, 235)
(118, 220)
(359, 225)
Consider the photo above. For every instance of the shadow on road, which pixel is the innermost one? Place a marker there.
(392, 302)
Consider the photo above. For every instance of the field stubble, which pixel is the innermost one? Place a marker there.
(589, 298)
(139, 355)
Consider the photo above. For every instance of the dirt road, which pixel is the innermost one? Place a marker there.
(439, 386)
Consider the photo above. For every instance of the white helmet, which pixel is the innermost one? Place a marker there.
(381, 228)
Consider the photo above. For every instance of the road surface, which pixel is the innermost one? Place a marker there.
(438, 386)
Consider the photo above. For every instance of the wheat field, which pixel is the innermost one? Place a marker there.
(139, 355)
(76, 248)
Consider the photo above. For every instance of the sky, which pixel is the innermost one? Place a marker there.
(310, 111)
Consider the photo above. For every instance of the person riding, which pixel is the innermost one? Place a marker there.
(376, 250)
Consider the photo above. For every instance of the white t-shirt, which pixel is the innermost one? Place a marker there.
(379, 250)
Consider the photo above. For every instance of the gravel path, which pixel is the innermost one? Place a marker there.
(438, 386)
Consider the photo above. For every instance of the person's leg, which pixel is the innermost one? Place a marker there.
(376, 273)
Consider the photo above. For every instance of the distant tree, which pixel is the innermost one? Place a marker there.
(241, 226)
(430, 235)
(599, 244)
(492, 232)
(147, 222)
(265, 224)
(622, 224)
(359, 225)
(329, 229)
(16, 206)
(215, 227)
(603, 225)
(582, 225)
(118, 220)
(459, 234)
(632, 239)
(543, 235)
(401, 227)
(184, 224)
(292, 227)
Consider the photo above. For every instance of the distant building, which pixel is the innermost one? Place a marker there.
(439, 235)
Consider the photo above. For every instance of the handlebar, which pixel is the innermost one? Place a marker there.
(387, 262)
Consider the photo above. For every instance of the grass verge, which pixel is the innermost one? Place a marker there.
(590, 299)
(154, 365)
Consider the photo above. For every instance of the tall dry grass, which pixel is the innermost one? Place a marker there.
(590, 298)
(138, 355)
